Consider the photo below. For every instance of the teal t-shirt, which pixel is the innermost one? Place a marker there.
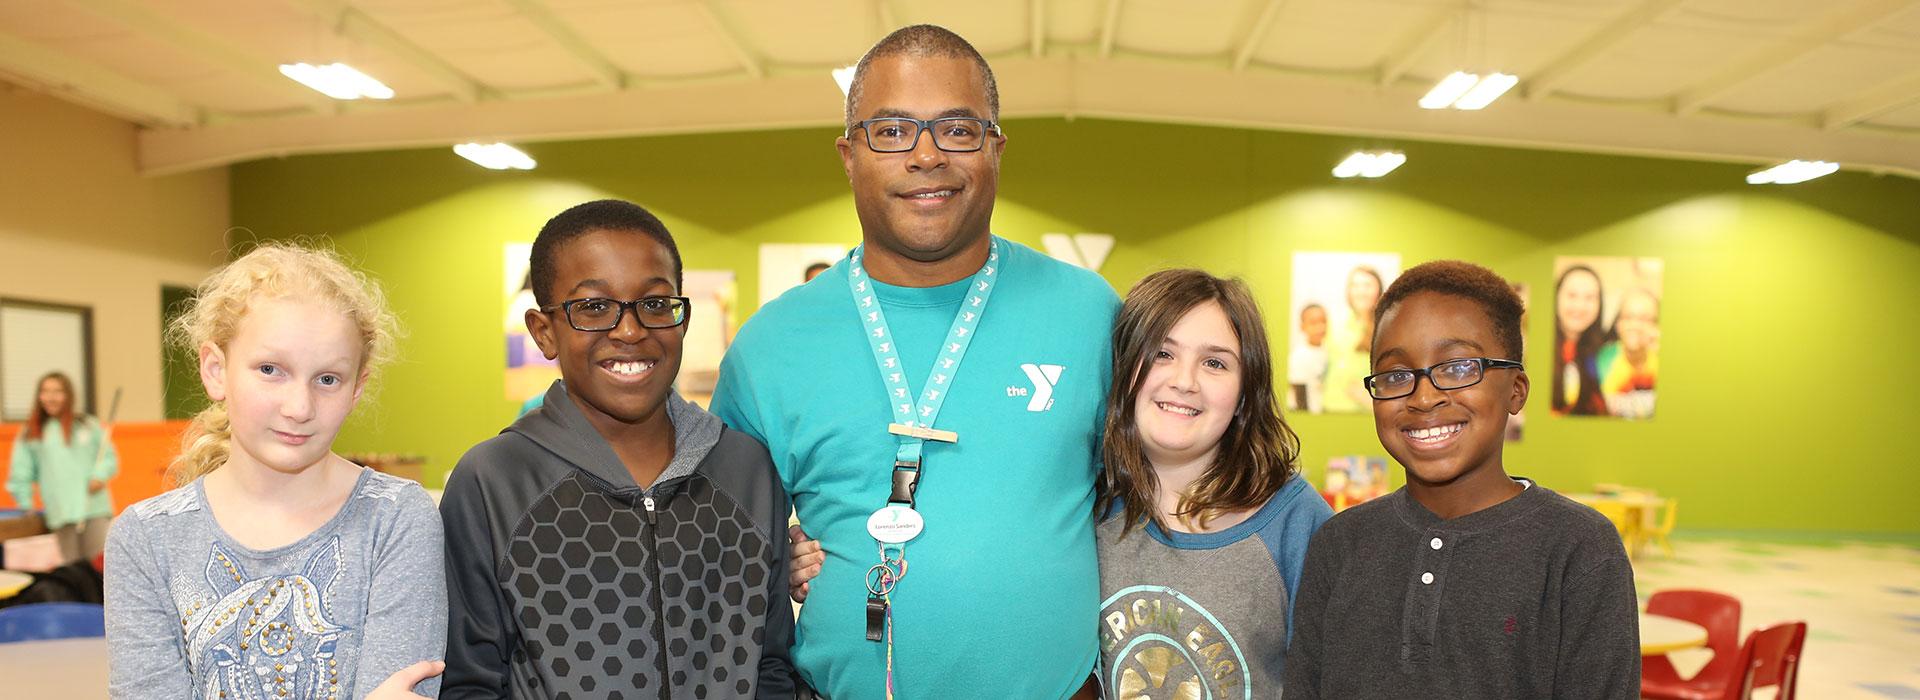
(1001, 596)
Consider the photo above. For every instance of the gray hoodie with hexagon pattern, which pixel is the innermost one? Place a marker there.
(565, 579)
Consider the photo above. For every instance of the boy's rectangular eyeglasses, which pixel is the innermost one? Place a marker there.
(1446, 376)
(951, 134)
(603, 314)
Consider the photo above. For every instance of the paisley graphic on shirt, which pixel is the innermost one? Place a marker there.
(269, 637)
(1164, 646)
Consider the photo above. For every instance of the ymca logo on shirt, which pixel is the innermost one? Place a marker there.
(1041, 380)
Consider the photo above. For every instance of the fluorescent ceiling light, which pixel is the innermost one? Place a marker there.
(844, 76)
(1449, 89)
(495, 156)
(337, 80)
(1792, 172)
(1463, 90)
(1489, 89)
(1369, 164)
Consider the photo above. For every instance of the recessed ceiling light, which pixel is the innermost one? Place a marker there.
(337, 80)
(1369, 164)
(1462, 90)
(1792, 172)
(495, 156)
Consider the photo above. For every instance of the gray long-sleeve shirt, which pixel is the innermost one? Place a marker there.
(1530, 598)
(193, 614)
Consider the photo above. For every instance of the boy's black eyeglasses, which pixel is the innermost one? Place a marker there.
(603, 314)
(1446, 376)
(951, 134)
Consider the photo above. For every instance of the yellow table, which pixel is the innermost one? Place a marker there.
(1660, 634)
(12, 582)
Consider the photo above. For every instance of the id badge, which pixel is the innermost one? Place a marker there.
(895, 524)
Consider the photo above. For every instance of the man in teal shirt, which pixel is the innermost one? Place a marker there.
(1007, 355)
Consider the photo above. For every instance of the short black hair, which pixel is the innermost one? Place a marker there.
(582, 219)
(922, 41)
(1469, 281)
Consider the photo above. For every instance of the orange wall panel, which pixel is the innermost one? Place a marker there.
(145, 451)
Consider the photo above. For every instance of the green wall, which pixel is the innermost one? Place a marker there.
(1781, 303)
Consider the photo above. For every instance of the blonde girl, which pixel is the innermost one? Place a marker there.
(275, 568)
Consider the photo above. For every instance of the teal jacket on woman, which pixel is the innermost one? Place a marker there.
(62, 467)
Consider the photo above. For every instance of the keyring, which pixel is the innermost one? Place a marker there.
(881, 583)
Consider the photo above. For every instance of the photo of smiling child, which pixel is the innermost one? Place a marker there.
(1607, 332)
(1467, 582)
(1332, 342)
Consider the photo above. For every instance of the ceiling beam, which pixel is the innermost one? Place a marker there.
(1834, 26)
(1544, 81)
(92, 85)
(1872, 103)
(1037, 27)
(208, 48)
(1056, 86)
(603, 70)
(1257, 35)
(1416, 43)
(731, 38)
(359, 26)
(1109, 27)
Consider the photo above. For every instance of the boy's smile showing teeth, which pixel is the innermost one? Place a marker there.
(1436, 435)
(627, 368)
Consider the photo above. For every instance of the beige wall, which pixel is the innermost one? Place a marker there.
(79, 226)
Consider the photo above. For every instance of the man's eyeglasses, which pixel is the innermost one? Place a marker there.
(1446, 376)
(602, 314)
(951, 134)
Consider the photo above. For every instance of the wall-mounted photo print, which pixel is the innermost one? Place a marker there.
(784, 266)
(1332, 320)
(1517, 423)
(1606, 336)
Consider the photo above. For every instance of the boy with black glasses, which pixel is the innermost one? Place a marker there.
(618, 540)
(1466, 583)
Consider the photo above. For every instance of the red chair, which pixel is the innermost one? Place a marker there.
(1771, 656)
(1775, 660)
(1720, 614)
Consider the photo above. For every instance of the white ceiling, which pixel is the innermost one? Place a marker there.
(1737, 80)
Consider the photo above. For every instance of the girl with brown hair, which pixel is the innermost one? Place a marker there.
(1204, 521)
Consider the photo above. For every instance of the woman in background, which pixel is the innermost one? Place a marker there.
(71, 458)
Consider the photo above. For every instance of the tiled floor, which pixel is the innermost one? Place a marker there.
(1861, 602)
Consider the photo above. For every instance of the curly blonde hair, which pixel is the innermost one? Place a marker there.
(271, 271)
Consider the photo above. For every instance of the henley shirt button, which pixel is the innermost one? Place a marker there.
(1426, 577)
(1435, 543)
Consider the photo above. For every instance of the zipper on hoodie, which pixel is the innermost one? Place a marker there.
(659, 604)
